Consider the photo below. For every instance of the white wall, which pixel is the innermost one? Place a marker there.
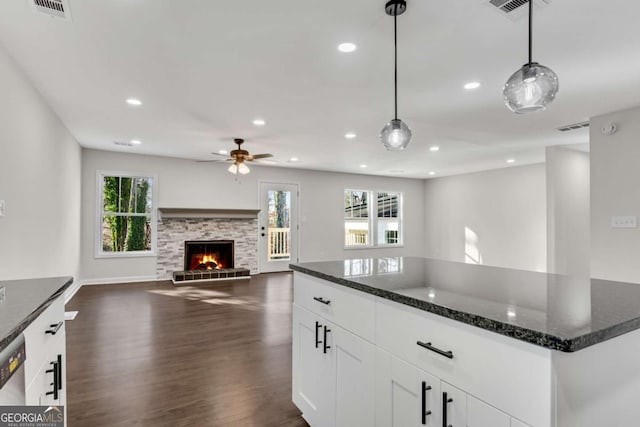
(568, 226)
(188, 184)
(504, 208)
(39, 182)
(615, 191)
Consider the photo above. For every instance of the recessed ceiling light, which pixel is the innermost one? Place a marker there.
(432, 173)
(136, 142)
(363, 166)
(511, 313)
(347, 47)
(294, 159)
(223, 152)
(434, 148)
(134, 101)
(511, 161)
(472, 85)
(259, 122)
(350, 135)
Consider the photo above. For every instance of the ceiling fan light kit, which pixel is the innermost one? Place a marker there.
(533, 86)
(396, 135)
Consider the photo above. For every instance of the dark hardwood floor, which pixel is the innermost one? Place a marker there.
(153, 354)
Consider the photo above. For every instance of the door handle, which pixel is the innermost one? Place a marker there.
(318, 326)
(326, 347)
(425, 411)
(54, 371)
(445, 403)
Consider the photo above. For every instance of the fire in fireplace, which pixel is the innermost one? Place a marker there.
(208, 255)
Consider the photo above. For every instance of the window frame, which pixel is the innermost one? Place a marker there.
(98, 251)
(373, 220)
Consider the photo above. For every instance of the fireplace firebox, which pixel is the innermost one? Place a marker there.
(208, 255)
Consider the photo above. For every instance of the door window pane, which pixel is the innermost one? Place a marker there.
(279, 232)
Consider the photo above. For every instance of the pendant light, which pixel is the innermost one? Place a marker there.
(532, 87)
(396, 134)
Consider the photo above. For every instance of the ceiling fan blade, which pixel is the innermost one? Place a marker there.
(222, 155)
(260, 156)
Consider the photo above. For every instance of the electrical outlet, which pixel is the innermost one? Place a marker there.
(624, 222)
(1, 208)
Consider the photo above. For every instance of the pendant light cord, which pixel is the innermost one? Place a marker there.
(530, 32)
(395, 67)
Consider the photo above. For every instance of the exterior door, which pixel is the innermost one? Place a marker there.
(278, 226)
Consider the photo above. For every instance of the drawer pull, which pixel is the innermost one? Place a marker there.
(445, 402)
(425, 411)
(318, 326)
(326, 347)
(54, 328)
(322, 301)
(428, 346)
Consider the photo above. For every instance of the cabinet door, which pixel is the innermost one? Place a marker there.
(354, 369)
(479, 414)
(454, 408)
(405, 395)
(312, 370)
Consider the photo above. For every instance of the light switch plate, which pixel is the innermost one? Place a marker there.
(1, 207)
(624, 222)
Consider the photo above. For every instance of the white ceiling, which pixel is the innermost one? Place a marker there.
(205, 69)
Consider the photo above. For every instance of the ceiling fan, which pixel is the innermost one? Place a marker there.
(239, 157)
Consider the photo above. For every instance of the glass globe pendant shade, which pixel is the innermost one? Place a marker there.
(233, 168)
(396, 135)
(243, 168)
(531, 88)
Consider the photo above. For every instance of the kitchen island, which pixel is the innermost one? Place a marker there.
(32, 313)
(414, 341)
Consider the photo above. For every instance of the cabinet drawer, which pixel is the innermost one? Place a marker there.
(350, 309)
(38, 342)
(492, 367)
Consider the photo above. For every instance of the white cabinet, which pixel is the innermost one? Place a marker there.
(480, 414)
(333, 373)
(405, 395)
(45, 365)
(363, 361)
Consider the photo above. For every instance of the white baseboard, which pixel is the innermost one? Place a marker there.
(118, 280)
(75, 287)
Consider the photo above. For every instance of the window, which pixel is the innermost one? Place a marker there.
(126, 223)
(368, 224)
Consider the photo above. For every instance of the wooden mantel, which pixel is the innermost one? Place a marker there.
(208, 213)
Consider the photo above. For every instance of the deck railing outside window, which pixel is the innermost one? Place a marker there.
(279, 243)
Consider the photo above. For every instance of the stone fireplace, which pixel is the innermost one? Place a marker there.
(176, 227)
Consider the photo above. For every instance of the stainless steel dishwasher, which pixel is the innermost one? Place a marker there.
(12, 387)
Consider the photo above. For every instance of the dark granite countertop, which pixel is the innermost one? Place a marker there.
(557, 312)
(24, 301)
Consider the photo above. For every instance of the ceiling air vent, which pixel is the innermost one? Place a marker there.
(514, 8)
(55, 8)
(574, 126)
(123, 143)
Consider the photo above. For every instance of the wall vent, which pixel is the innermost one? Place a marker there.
(54, 8)
(574, 126)
(516, 9)
(123, 143)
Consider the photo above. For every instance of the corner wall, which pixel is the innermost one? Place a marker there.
(615, 191)
(497, 217)
(39, 182)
